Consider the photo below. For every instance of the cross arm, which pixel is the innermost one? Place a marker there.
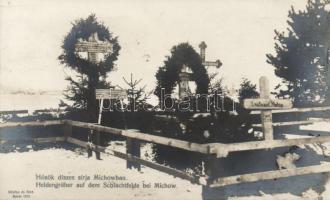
(94, 47)
(216, 63)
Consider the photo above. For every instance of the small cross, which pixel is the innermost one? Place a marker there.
(216, 63)
(93, 46)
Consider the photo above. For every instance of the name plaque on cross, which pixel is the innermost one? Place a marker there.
(267, 104)
(94, 46)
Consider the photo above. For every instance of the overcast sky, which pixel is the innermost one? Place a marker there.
(238, 32)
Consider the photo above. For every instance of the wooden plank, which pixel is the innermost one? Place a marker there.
(49, 139)
(145, 137)
(49, 110)
(222, 150)
(13, 112)
(319, 120)
(292, 123)
(267, 104)
(162, 168)
(277, 124)
(35, 140)
(269, 175)
(298, 110)
(110, 94)
(32, 123)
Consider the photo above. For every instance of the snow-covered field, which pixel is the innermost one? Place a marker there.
(29, 101)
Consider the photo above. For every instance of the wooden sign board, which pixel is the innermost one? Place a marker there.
(110, 94)
(93, 47)
(267, 104)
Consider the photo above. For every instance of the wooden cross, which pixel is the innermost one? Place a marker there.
(266, 105)
(93, 46)
(217, 63)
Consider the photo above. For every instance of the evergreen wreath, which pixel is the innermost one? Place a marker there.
(90, 75)
(168, 75)
(83, 29)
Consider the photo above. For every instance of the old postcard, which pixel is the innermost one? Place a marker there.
(162, 100)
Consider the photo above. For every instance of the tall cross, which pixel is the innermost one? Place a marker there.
(217, 63)
(94, 46)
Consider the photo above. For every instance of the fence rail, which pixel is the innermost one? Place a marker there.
(31, 123)
(201, 148)
(162, 168)
(295, 110)
(13, 112)
(268, 175)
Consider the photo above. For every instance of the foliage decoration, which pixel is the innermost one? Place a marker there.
(168, 75)
(90, 75)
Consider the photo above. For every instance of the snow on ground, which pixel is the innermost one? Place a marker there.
(19, 170)
(21, 163)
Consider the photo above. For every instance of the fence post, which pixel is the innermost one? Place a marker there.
(214, 168)
(67, 130)
(89, 140)
(132, 145)
(98, 143)
(133, 149)
(266, 115)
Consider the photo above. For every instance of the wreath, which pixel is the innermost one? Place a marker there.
(168, 75)
(83, 29)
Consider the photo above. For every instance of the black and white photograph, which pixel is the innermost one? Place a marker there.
(164, 99)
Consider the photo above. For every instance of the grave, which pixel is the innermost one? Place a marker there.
(185, 73)
(93, 47)
(266, 105)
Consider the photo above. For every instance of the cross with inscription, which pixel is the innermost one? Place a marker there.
(266, 105)
(93, 46)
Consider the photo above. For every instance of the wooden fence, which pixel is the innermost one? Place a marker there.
(212, 150)
(217, 149)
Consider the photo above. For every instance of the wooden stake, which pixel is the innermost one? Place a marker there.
(266, 115)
